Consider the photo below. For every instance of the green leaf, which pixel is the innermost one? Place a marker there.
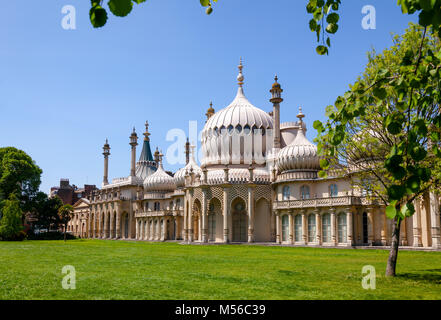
(120, 8)
(321, 50)
(380, 93)
(205, 3)
(324, 163)
(98, 16)
(408, 210)
(332, 28)
(391, 212)
(332, 18)
(209, 10)
(396, 192)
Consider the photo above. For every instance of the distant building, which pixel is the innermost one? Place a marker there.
(70, 194)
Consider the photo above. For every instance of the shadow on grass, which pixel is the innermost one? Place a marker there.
(430, 275)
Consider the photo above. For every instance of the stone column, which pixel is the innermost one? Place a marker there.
(333, 227)
(94, 225)
(435, 220)
(226, 213)
(164, 230)
(291, 228)
(417, 241)
(190, 219)
(106, 225)
(112, 225)
(89, 224)
(151, 231)
(370, 218)
(383, 228)
(204, 216)
(403, 230)
(250, 214)
(278, 236)
(318, 227)
(158, 230)
(305, 228)
(118, 224)
(350, 227)
(185, 231)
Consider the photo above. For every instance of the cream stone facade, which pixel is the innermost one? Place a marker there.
(257, 182)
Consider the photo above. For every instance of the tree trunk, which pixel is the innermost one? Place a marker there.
(393, 254)
(65, 232)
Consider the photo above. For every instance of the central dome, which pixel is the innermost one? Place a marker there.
(229, 136)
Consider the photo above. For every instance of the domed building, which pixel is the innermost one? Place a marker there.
(257, 182)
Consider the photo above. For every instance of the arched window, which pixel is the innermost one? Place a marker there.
(298, 228)
(157, 206)
(342, 228)
(285, 228)
(178, 204)
(304, 192)
(333, 190)
(286, 193)
(311, 228)
(326, 227)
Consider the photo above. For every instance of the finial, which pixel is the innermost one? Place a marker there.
(301, 116)
(276, 78)
(107, 141)
(240, 77)
(146, 133)
(211, 104)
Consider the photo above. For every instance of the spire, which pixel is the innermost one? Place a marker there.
(301, 116)
(240, 77)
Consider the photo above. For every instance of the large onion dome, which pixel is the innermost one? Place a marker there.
(234, 123)
(300, 156)
(190, 167)
(160, 180)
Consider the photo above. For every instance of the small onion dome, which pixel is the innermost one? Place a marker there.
(300, 155)
(210, 111)
(159, 181)
(190, 167)
(276, 85)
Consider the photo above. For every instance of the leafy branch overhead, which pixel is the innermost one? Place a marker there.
(120, 8)
(325, 17)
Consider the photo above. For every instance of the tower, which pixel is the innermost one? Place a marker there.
(133, 143)
(276, 99)
(106, 154)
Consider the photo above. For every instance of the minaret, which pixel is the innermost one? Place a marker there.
(133, 143)
(106, 153)
(187, 152)
(276, 99)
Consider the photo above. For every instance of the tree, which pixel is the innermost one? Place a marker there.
(387, 128)
(19, 175)
(45, 210)
(10, 223)
(65, 213)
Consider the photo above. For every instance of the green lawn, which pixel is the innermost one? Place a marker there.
(141, 270)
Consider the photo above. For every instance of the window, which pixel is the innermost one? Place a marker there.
(285, 228)
(157, 206)
(326, 226)
(311, 228)
(298, 228)
(342, 228)
(286, 193)
(333, 190)
(304, 192)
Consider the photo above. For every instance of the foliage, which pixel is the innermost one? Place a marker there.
(45, 210)
(391, 116)
(65, 213)
(120, 8)
(19, 175)
(11, 227)
(325, 17)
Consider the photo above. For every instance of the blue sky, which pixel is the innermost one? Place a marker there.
(63, 92)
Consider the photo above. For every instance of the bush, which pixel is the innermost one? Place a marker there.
(51, 235)
(11, 227)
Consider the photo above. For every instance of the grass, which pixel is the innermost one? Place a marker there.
(141, 270)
